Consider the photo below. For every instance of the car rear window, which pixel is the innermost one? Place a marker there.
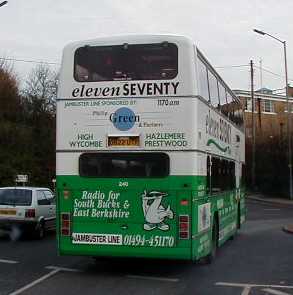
(16, 197)
(121, 165)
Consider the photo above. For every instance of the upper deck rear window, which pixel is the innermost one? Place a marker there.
(126, 62)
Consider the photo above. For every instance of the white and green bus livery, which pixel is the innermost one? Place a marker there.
(150, 150)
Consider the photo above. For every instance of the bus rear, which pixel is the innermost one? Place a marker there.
(127, 166)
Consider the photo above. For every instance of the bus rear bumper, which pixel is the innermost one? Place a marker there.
(162, 253)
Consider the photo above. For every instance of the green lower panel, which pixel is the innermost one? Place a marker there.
(170, 217)
(126, 217)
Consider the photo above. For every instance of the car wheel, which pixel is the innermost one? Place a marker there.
(40, 231)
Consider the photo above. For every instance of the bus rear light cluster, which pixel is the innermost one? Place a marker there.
(183, 227)
(30, 213)
(65, 224)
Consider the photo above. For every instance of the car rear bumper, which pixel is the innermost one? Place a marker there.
(8, 223)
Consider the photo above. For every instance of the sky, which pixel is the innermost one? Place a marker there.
(222, 29)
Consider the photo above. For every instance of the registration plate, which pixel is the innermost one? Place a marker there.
(7, 212)
(115, 141)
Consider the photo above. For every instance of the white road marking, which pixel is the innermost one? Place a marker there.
(63, 268)
(246, 290)
(275, 292)
(55, 270)
(175, 280)
(247, 287)
(32, 284)
(8, 261)
(253, 285)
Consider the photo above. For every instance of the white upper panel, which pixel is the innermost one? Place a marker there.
(163, 114)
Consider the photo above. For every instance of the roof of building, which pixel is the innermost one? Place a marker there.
(262, 95)
(264, 90)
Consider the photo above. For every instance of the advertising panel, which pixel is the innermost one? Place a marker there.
(147, 124)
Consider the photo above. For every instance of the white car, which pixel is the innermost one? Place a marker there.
(32, 209)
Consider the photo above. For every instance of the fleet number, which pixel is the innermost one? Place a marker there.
(123, 184)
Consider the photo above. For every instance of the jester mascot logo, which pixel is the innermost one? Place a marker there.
(154, 212)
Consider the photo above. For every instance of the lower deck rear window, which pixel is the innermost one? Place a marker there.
(123, 165)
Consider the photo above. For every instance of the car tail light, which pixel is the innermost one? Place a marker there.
(183, 227)
(65, 224)
(30, 213)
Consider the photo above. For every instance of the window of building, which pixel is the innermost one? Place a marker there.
(122, 165)
(248, 105)
(203, 80)
(291, 107)
(268, 106)
(248, 132)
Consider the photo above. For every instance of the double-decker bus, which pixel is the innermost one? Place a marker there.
(150, 150)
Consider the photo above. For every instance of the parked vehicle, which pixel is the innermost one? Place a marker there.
(29, 209)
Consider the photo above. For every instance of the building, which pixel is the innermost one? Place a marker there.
(267, 166)
(270, 114)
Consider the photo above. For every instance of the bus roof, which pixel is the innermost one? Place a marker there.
(133, 38)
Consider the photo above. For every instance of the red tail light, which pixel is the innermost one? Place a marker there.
(65, 224)
(30, 213)
(65, 216)
(183, 235)
(65, 232)
(184, 227)
(183, 218)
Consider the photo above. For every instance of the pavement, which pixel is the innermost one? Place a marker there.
(274, 200)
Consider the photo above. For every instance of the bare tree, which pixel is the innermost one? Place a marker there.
(7, 66)
(42, 85)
